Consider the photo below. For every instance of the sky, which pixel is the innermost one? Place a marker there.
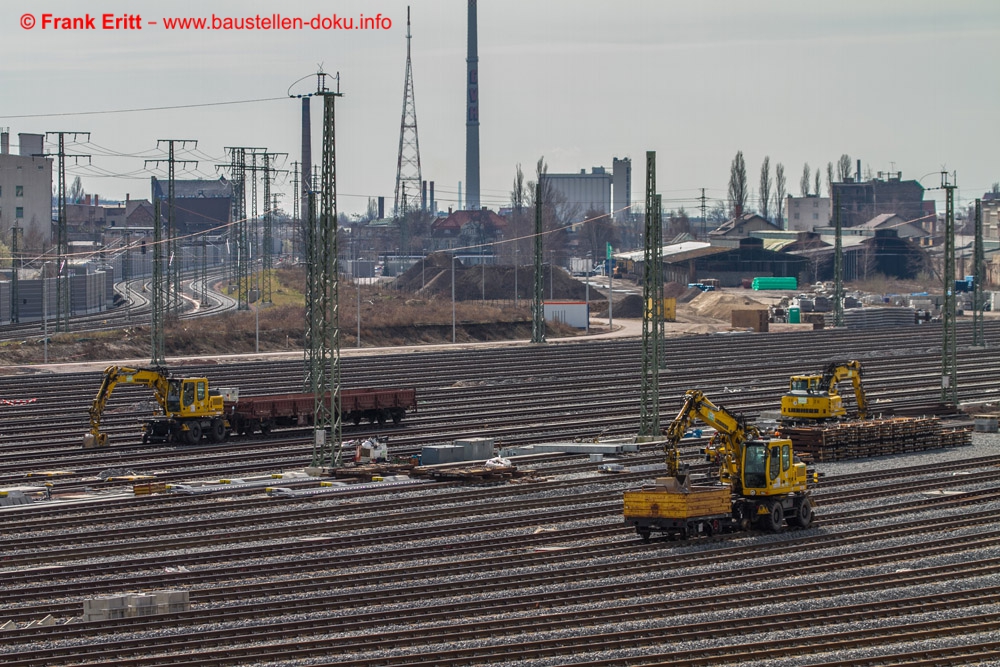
(902, 85)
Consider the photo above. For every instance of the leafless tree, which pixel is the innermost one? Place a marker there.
(765, 188)
(75, 193)
(557, 237)
(677, 223)
(779, 193)
(829, 179)
(804, 181)
(518, 223)
(598, 231)
(844, 168)
(737, 184)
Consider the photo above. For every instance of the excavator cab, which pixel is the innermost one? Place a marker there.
(804, 383)
(769, 468)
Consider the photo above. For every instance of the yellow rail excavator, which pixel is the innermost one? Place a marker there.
(760, 482)
(816, 398)
(188, 409)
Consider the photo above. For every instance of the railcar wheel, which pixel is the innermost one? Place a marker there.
(194, 433)
(644, 534)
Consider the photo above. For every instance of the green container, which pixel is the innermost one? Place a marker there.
(776, 282)
(794, 316)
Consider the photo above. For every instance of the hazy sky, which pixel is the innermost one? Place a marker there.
(905, 86)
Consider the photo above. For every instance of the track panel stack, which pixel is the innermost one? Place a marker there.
(875, 437)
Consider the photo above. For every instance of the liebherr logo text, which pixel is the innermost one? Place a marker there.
(279, 22)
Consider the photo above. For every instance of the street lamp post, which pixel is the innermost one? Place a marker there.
(552, 281)
(45, 317)
(357, 279)
(453, 298)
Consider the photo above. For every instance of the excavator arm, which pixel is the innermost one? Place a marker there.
(836, 372)
(734, 432)
(155, 378)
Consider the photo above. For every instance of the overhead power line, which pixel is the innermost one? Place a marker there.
(165, 108)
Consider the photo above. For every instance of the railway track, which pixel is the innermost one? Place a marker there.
(902, 561)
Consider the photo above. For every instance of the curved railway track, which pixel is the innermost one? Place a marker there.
(903, 560)
(134, 309)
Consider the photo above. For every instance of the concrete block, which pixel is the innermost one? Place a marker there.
(475, 449)
(102, 605)
(985, 423)
(435, 454)
(141, 605)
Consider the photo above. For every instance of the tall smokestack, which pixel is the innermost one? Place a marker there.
(472, 115)
(858, 179)
(433, 208)
(4, 142)
(306, 160)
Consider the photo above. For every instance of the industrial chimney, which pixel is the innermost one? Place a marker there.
(306, 160)
(472, 115)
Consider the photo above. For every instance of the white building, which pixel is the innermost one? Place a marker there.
(806, 213)
(581, 193)
(25, 192)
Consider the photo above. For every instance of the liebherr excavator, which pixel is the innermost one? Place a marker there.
(813, 398)
(189, 410)
(761, 483)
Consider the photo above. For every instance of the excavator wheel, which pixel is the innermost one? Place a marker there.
(803, 514)
(194, 433)
(218, 432)
(774, 521)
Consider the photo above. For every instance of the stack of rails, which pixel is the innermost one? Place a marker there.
(875, 437)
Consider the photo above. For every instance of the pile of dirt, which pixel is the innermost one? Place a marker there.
(720, 305)
(433, 276)
(682, 293)
(630, 306)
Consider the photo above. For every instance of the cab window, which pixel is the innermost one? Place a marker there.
(188, 393)
(774, 462)
(202, 390)
(786, 457)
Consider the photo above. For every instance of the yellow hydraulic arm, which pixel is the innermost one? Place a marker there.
(112, 376)
(835, 373)
(732, 430)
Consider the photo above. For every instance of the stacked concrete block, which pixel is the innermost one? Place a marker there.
(140, 605)
(104, 609)
(169, 602)
(475, 449)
